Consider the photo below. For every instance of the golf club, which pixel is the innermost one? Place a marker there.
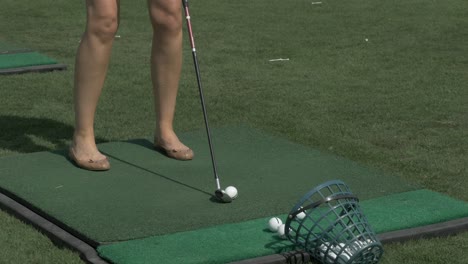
(219, 193)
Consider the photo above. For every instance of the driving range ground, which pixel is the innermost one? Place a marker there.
(152, 209)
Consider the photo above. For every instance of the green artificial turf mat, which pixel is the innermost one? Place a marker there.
(14, 59)
(147, 194)
(250, 239)
(412, 209)
(17, 60)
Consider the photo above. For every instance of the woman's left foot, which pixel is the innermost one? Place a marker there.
(176, 151)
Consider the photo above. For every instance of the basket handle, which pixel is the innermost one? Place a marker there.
(320, 202)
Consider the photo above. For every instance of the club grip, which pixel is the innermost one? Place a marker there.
(185, 3)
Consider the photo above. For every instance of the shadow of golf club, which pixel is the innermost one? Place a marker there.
(212, 197)
(147, 144)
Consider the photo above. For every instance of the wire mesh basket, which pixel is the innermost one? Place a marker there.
(329, 224)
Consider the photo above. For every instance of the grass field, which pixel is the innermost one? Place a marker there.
(380, 82)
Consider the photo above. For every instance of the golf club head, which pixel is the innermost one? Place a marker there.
(223, 196)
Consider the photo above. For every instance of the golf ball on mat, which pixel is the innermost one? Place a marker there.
(281, 231)
(231, 191)
(274, 223)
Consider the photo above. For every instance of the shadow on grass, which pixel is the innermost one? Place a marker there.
(30, 134)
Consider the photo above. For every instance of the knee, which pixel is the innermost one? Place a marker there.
(103, 26)
(166, 18)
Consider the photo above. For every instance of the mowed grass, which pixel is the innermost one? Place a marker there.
(379, 82)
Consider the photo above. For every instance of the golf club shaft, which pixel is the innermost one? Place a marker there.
(200, 89)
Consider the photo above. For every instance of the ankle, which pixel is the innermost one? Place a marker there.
(165, 135)
(83, 139)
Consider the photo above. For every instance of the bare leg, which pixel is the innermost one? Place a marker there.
(166, 64)
(90, 70)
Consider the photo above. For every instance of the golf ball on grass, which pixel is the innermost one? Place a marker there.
(274, 223)
(231, 191)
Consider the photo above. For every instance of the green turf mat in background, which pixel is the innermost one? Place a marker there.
(16, 60)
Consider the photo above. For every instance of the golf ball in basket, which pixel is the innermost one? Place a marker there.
(274, 223)
(231, 191)
(301, 215)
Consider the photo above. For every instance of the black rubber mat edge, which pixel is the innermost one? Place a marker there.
(21, 205)
(87, 252)
(447, 228)
(39, 68)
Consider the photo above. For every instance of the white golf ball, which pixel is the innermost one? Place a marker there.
(331, 256)
(231, 191)
(281, 231)
(274, 223)
(301, 215)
